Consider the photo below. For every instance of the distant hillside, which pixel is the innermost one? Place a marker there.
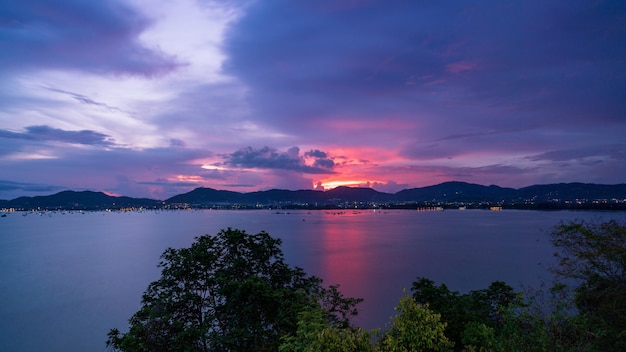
(206, 195)
(573, 191)
(448, 192)
(537, 196)
(209, 196)
(349, 194)
(457, 192)
(84, 200)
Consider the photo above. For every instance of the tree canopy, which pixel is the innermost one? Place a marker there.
(234, 292)
(477, 310)
(228, 292)
(415, 328)
(594, 256)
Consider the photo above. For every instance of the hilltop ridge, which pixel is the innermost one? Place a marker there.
(449, 194)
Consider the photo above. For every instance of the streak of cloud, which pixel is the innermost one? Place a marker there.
(47, 133)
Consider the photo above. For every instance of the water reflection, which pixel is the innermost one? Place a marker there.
(356, 251)
(343, 253)
(68, 279)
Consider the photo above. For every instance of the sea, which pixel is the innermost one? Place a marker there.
(67, 278)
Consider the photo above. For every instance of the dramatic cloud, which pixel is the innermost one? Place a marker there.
(153, 98)
(316, 154)
(270, 158)
(473, 60)
(100, 37)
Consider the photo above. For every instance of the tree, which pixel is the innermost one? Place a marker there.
(594, 256)
(590, 250)
(478, 337)
(465, 311)
(315, 334)
(544, 321)
(228, 292)
(415, 328)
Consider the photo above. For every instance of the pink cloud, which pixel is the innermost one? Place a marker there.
(461, 66)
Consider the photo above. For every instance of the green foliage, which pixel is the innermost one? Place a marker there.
(594, 255)
(228, 292)
(233, 292)
(591, 250)
(458, 310)
(478, 337)
(415, 328)
(544, 322)
(316, 334)
(338, 309)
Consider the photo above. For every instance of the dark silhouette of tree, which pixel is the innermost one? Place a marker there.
(594, 256)
(479, 310)
(228, 292)
(415, 328)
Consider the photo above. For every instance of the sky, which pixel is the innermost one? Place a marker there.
(153, 98)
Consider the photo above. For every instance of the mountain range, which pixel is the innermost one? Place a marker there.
(449, 193)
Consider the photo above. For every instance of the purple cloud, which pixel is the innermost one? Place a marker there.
(99, 37)
(615, 152)
(316, 154)
(382, 94)
(47, 133)
(270, 158)
(83, 99)
(22, 187)
(530, 61)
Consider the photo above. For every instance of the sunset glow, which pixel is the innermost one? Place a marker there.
(150, 99)
(335, 183)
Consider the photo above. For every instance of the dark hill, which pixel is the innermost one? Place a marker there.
(456, 192)
(85, 200)
(274, 196)
(572, 192)
(351, 194)
(449, 192)
(206, 196)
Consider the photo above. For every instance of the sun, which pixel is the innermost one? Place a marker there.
(337, 183)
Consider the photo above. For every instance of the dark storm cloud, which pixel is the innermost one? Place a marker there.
(486, 63)
(316, 154)
(270, 158)
(325, 164)
(47, 133)
(321, 159)
(93, 36)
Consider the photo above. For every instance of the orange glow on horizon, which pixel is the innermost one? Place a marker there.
(213, 167)
(336, 183)
(188, 178)
(356, 167)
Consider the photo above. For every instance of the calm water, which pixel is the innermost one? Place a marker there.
(66, 279)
